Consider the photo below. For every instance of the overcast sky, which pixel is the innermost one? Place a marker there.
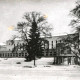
(12, 11)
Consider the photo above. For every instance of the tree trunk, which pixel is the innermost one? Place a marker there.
(34, 60)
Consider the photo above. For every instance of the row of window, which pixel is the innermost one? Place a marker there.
(13, 55)
(48, 54)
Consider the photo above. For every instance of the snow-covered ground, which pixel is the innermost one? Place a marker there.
(44, 70)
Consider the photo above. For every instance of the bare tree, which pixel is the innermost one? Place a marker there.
(32, 30)
(76, 14)
(75, 23)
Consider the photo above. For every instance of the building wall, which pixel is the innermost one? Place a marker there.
(10, 45)
(3, 48)
(49, 45)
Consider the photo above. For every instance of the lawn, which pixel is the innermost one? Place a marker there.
(18, 69)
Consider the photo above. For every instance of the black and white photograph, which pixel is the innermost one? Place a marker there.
(39, 39)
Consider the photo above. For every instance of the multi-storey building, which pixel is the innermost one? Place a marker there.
(53, 47)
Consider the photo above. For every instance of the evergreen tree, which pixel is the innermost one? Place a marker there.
(35, 40)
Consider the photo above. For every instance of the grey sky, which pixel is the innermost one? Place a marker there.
(12, 11)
